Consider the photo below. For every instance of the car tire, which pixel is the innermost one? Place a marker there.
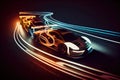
(62, 49)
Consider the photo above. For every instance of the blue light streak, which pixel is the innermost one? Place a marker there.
(82, 28)
(94, 32)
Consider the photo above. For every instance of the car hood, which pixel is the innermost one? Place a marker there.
(80, 43)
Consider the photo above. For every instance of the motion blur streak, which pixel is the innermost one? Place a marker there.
(48, 17)
(84, 30)
(39, 57)
(69, 67)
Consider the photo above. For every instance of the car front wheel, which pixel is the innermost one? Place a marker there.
(62, 49)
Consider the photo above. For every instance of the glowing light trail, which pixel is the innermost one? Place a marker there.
(83, 30)
(43, 59)
(74, 69)
(49, 18)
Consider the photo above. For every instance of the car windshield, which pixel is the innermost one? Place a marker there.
(70, 37)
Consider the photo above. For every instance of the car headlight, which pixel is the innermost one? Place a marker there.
(85, 38)
(81, 51)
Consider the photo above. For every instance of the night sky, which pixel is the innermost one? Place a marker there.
(14, 63)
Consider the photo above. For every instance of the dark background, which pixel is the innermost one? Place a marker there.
(15, 64)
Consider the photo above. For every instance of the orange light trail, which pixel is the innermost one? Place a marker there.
(63, 65)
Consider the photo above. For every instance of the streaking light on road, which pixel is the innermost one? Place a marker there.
(74, 69)
(20, 29)
(69, 67)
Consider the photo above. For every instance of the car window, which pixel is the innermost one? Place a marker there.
(70, 37)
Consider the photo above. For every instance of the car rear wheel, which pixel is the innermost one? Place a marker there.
(62, 49)
(41, 40)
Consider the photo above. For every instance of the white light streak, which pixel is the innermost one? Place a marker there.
(66, 67)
